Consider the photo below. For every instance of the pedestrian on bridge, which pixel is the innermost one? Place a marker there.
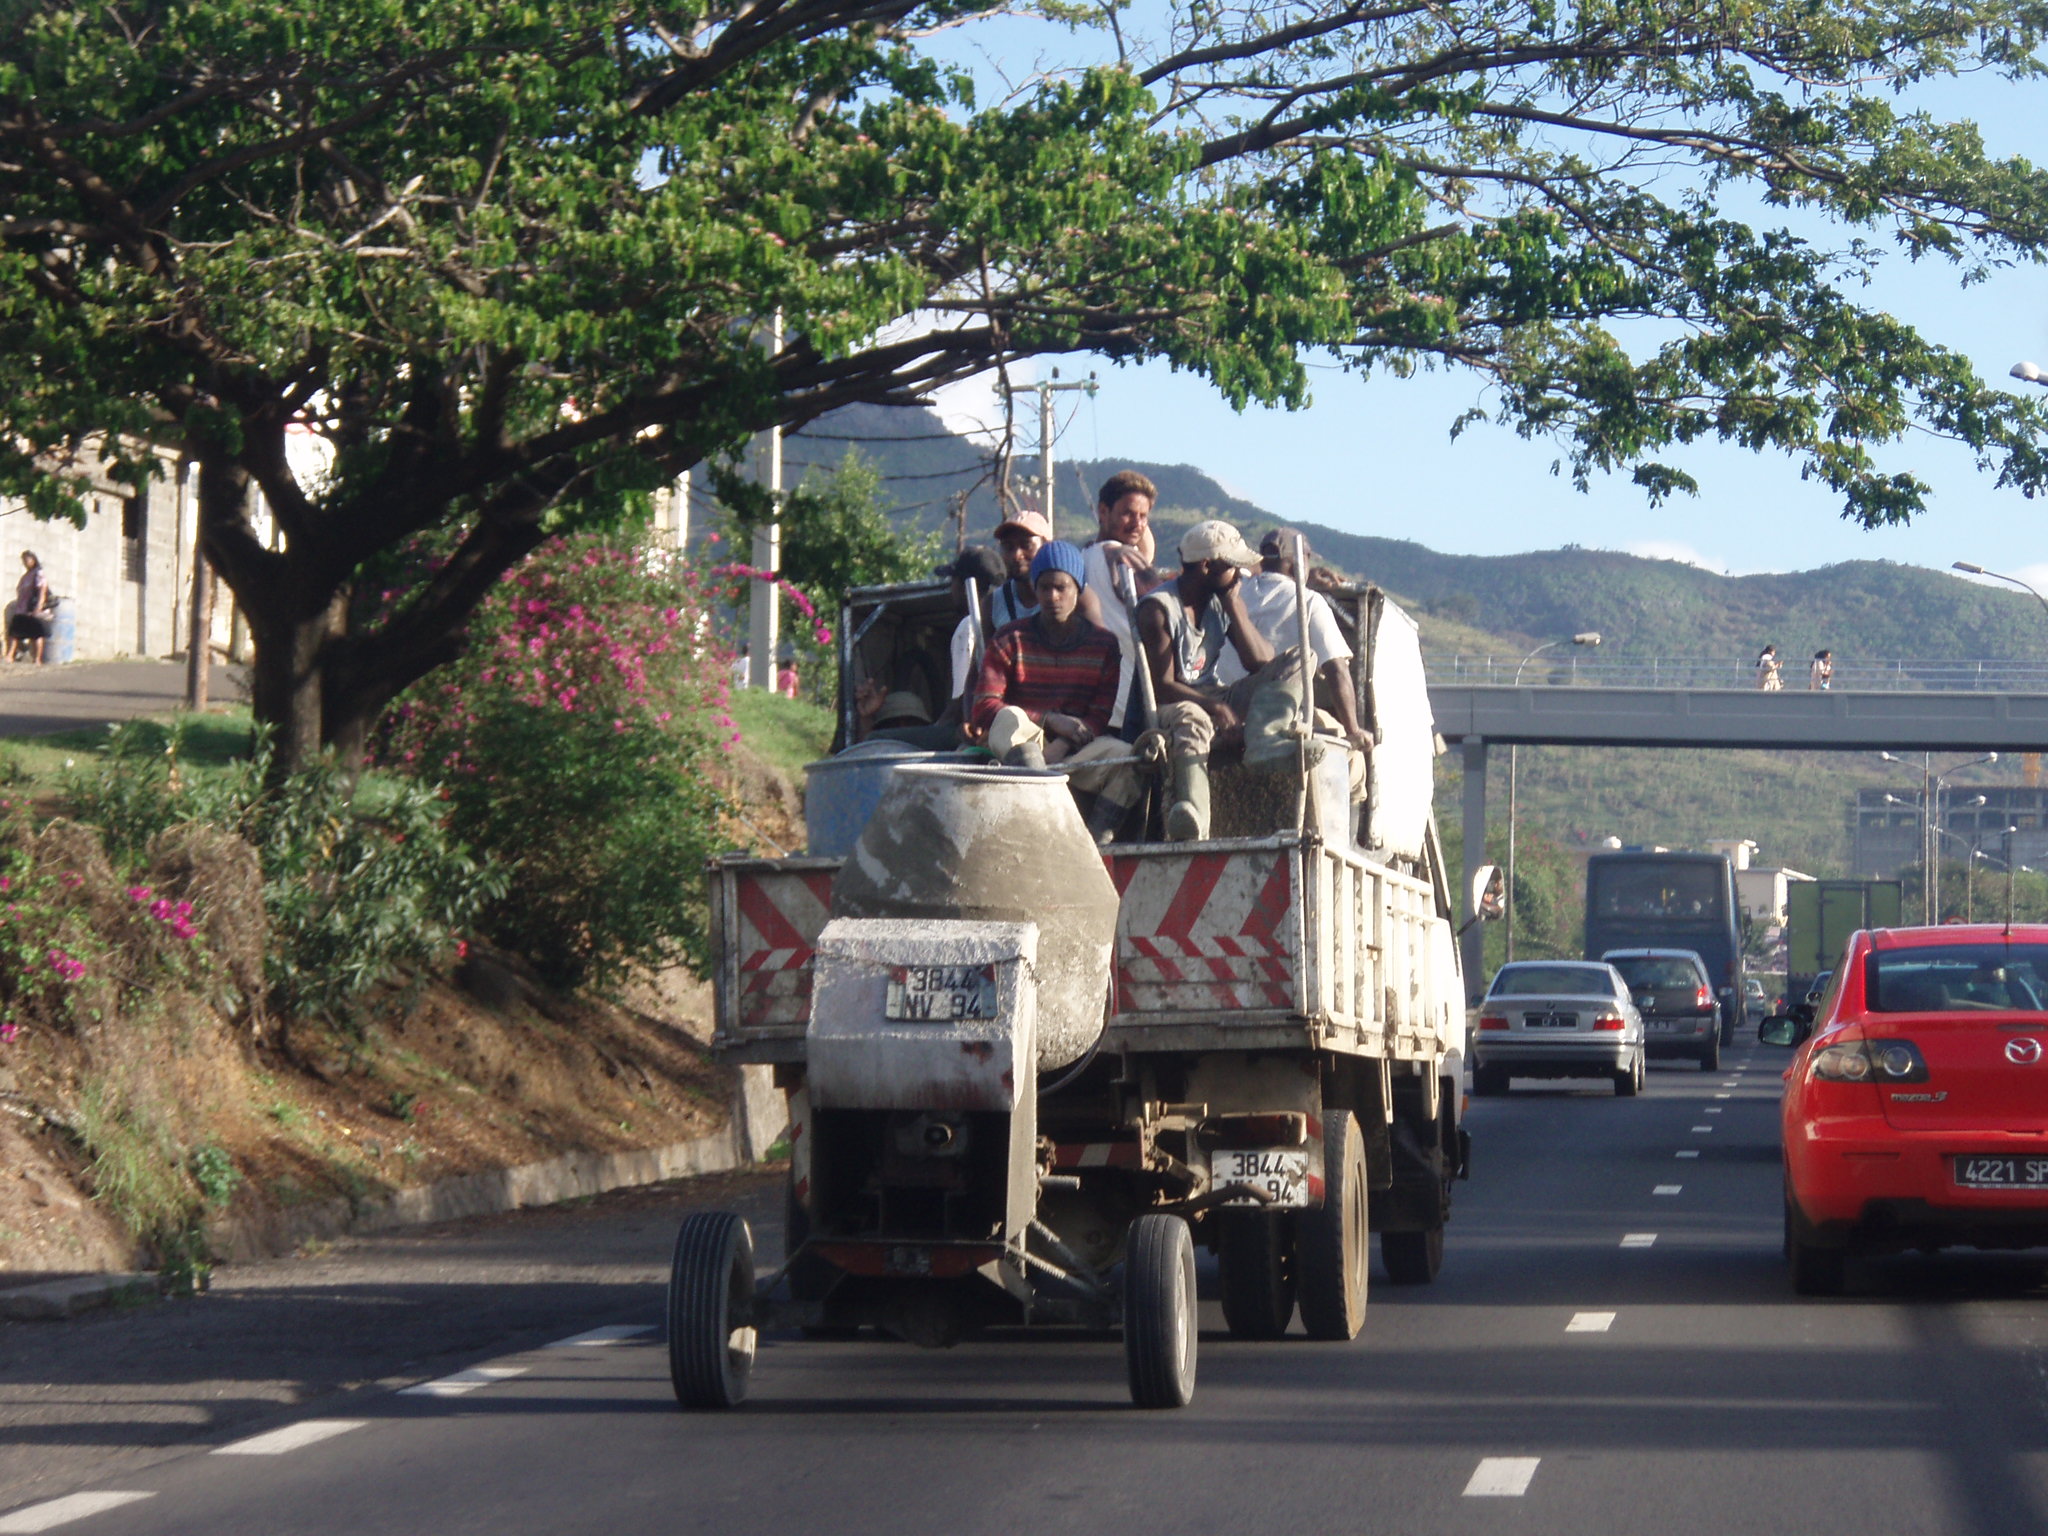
(1768, 675)
(1822, 673)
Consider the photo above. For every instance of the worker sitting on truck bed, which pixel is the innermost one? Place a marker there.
(1271, 603)
(1185, 628)
(1046, 689)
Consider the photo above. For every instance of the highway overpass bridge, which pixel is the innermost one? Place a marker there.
(1476, 717)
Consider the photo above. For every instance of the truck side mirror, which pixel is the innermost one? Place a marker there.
(1489, 892)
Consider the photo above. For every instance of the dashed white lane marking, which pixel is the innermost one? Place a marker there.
(611, 1333)
(74, 1506)
(1710, 1110)
(1667, 1189)
(1638, 1239)
(1502, 1477)
(1702, 1130)
(290, 1438)
(463, 1381)
(1688, 1152)
(1724, 1095)
(1590, 1322)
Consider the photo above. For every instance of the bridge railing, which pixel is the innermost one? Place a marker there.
(1865, 674)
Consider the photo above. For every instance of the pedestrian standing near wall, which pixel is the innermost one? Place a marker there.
(29, 615)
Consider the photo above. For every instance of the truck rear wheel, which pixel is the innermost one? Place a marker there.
(1159, 1311)
(1255, 1261)
(711, 1311)
(1412, 1258)
(1332, 1242)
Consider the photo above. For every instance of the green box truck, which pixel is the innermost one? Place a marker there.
(1819, 917)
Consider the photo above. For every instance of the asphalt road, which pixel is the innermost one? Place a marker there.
(1612, 1347)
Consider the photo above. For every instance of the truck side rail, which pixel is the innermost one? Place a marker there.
(1243, 943)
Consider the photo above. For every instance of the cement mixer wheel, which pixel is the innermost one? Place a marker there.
(711, 1311)
(1159, 1311)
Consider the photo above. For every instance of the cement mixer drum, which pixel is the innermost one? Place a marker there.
(971, 843)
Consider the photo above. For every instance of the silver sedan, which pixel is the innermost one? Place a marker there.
(1558, 1018)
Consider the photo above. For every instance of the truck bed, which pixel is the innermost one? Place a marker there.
(1279, 942)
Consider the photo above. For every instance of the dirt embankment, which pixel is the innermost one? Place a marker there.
(135, 1122)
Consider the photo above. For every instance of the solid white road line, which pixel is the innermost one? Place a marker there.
(1590, 1322)
(1689, 1152)
(290, 1438)
(611, 1333)
(463, 1381)
(1667, 1189)
(56, 1512)
(1502, 1477)
(1638, 1239)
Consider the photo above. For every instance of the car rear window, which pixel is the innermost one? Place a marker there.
(1540, 980)
(1959, 978)
(1664, 972)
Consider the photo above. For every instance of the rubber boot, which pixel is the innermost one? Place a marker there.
(1272, 722)
(1187, 813)
(1104, 818)
(1026, 754)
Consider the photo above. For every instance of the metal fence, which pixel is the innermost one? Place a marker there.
(1896, 675)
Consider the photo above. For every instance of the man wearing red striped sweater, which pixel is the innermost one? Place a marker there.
(1048, 684)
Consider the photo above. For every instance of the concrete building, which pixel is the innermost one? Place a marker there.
(127, 574)
(1760, 889)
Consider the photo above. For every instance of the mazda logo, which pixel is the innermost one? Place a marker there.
(2023, 1052)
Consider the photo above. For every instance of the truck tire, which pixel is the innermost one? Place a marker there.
(1159, 1311)
(1255, 1262)
(1628, 1080)
(711, 1311)
(1412, 1258)
(1816, 1271)
(1331, 1242)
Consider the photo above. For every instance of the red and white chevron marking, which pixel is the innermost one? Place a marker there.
(780, 915)
(1205, 932)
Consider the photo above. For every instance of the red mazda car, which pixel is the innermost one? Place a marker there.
(1916, 1109)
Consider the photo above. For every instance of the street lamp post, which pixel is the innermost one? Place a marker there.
(1969, 569)
(1590, 637)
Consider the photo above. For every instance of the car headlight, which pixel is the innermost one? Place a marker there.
(1871, 1061)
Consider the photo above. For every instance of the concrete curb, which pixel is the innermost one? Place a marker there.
(57, 1299)
(238, 1237)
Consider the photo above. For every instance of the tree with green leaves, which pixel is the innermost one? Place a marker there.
(512, 264)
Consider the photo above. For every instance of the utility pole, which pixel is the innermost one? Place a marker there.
(764, 632)
(1045, 392)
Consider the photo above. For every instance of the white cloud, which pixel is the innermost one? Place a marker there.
(1671, 549)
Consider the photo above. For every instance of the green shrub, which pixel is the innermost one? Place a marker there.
(359, 880)
(576, 743)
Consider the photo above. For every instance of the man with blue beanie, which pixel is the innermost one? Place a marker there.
(1048, 684)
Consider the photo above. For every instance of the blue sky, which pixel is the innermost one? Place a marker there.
(1376, 457)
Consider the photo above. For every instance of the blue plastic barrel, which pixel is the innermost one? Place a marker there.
(62, 645)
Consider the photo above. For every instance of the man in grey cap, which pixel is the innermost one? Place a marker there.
(1185, 629)
(1271, 603)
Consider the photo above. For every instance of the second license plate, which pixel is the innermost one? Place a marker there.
(2002, 1172)
(1280, 1174)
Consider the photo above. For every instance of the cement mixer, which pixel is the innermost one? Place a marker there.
(1026, 1076)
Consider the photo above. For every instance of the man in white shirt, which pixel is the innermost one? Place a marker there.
(1119, 566)
(1270, 599)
